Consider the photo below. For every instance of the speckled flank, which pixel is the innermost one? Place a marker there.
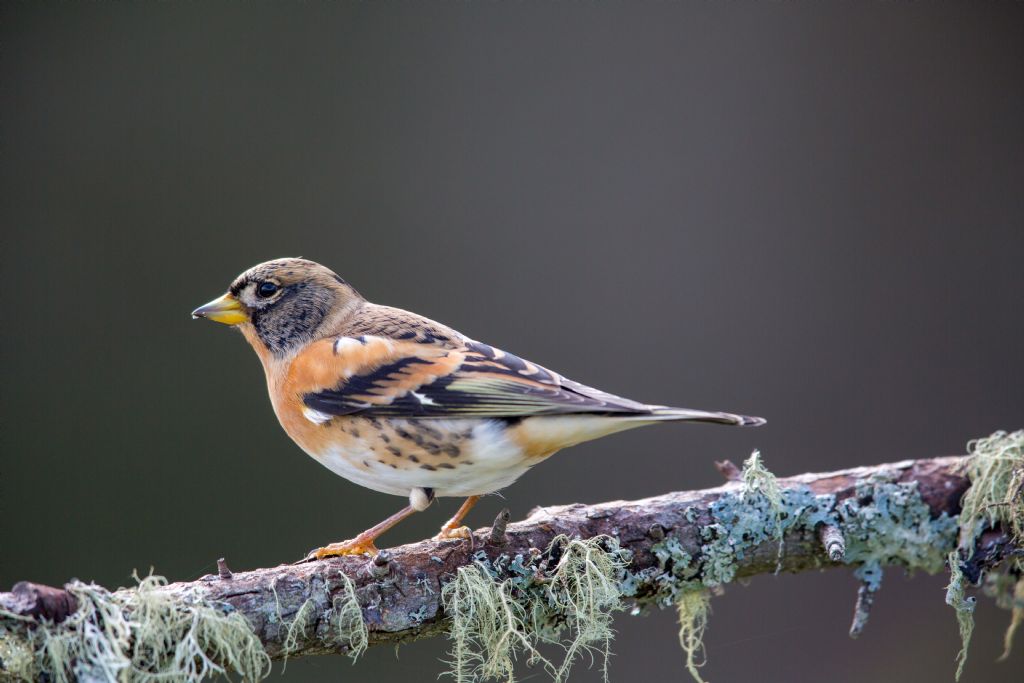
(453, 457)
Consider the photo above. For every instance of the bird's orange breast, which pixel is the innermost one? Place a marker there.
(328, 364)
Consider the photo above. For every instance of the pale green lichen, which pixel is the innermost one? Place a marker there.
(149, 635)
(298, 628)
(421, 614)
(964, 606)
(503, 608)
(347, 618)
(17, 660)
(509, 606)
(144, 635)
(675, 572)
(996, 496)
(995, 467)
(692, 608)
(885, 522)
(1017, 618)
(1007, 590)
(585, 590)
(743, 521)
(759, 481)
(488, 626)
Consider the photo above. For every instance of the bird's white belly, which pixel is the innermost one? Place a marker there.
(495, 462)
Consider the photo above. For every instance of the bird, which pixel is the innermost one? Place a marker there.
(404, 405)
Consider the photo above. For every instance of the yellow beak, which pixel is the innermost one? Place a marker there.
(226, 309)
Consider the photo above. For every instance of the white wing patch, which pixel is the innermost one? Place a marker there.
(315, 416)
(341, 343)
(423, 399)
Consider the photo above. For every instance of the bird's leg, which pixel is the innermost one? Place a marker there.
(453, 527)
(363, 543)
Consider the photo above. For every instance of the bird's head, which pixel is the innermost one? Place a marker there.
(283, 304)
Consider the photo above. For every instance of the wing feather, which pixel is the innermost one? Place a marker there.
(396, 378)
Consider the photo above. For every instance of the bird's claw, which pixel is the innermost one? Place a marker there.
(356, 546)
(448, 533)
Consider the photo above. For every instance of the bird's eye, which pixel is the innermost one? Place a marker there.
(266, 289)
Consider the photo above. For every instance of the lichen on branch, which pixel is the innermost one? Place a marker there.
(995, 499)
(543, 589)
(140, 634)
(509, 603)
(692, 609)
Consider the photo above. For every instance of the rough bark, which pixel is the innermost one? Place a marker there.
(399, 592)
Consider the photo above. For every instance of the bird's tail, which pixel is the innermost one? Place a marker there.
(686, 415)
(544, 436)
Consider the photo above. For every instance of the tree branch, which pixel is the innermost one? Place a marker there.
(399, 591)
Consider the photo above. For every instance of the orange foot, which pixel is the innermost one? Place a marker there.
(356, 546)
(451, 533)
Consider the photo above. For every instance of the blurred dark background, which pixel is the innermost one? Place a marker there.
(811, 212)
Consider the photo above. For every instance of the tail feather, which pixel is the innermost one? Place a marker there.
(685, 414)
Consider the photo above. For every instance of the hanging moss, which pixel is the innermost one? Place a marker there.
(693, 608)
(1007, 590)
(147, 635)
(143, 635)
(17, 660)
(995, 497)
(488, 626)
(342, 613)
(885, 522)
(297, 628)
(1017, 609)
(585, 590)
(759, 481)
(515, 606)
(964, 606)
(346, 616)
(510, 606)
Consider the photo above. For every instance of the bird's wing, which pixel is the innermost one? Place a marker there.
(381, 377)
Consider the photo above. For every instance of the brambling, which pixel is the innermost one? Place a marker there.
(404, 405)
